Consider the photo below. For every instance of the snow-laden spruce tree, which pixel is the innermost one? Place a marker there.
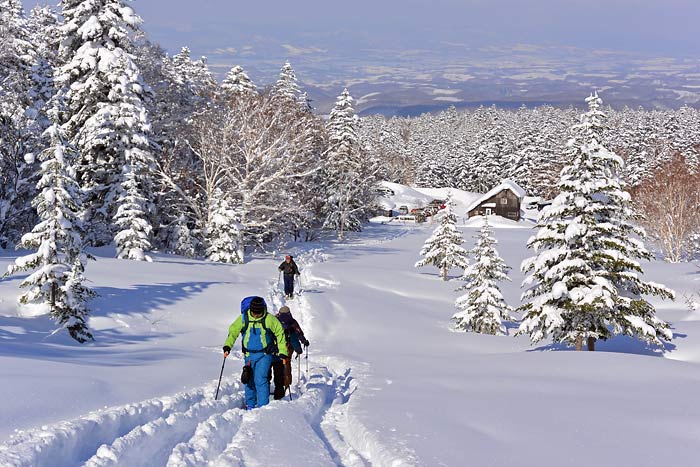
(56, 283)
(105, 117)
(584, 282)
(443, 249)
(224, 243)
(237, 83)
(23, 82)
(287, 86)
(133, 238)
(305, 102)
(194, 76)
(348, 174)
(182, 240)
(135, 194)
(482, 308)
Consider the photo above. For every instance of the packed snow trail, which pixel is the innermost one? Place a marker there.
(191, 428)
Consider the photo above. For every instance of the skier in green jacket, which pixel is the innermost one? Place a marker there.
(263, 337)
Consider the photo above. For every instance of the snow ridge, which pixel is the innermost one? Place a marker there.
(74, 441)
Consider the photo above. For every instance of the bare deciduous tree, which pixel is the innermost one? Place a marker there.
(259, 154)
(669, 202)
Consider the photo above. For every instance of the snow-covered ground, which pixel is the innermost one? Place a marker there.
(389, 383)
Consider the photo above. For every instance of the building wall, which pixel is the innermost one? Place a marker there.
(507, 205)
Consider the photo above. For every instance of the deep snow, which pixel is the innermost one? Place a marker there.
(389, 382)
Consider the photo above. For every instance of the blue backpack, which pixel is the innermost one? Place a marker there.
(255, 338)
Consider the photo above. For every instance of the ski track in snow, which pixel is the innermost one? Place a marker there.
(192, 429)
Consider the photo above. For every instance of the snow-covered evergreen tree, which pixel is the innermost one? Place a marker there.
(223, 231)
(349, 177)
(443, 249)
(105, 117)
(183, 241)
(22, 120)
(195, 76)
(584, 282)
(134, 202)
(305, 102)
(483, 308)
(287, 86)
(56, 283)
(133, 238)
(237, 83)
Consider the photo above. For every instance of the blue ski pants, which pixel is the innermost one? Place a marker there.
(257, 391)
(288, 284)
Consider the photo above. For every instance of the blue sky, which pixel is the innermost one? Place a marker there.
(667, 27)
(261, 34)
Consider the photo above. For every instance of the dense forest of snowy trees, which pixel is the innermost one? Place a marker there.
(475, 150)
(168, 159)
(105, 138)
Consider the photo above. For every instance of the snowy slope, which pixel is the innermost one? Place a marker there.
(389, 383)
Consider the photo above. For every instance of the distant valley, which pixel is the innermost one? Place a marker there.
(410, 82)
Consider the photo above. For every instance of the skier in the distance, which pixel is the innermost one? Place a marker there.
(289, 270)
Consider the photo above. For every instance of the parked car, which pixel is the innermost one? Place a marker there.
(403, 209)
(384, 191)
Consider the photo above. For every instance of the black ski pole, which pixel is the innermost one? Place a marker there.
(290, 392)
(216, 396)
(298, 371)
(307, 361)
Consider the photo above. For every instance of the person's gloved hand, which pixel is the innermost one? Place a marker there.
(306, 342)
(227, 350)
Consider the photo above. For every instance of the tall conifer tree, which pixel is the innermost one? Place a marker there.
(584, 283)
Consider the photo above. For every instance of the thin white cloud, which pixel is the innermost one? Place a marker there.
(294, 51)
(225, 51)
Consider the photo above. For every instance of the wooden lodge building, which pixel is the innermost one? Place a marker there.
(503, 200)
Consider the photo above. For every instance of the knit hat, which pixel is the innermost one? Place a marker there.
(257, 306)
(284, 309)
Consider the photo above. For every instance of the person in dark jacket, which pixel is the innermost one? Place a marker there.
(295, 339)
(289, 270)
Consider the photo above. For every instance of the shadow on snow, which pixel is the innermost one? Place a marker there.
(41, 339)
(618, 344)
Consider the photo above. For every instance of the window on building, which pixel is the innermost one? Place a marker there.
(504, 200)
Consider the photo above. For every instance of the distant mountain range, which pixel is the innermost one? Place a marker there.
(411, 82)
